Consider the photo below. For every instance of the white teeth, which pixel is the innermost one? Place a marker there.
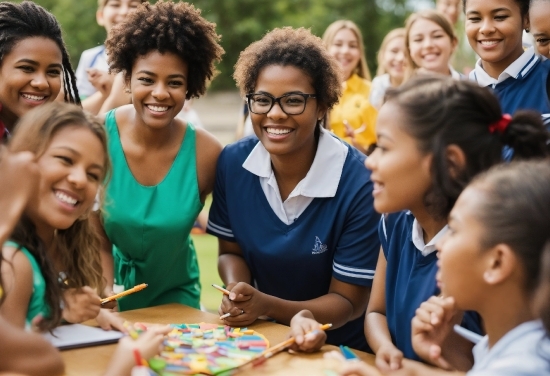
(33, 97)
(278, 131)
(158, 108)
(65, 198)
(488, 42)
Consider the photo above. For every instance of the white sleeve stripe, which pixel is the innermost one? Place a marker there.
(219, 228)
(383, 219)
(362, 276)
(219, 232)
(364, 271)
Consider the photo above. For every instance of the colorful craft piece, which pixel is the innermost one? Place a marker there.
(210, 349)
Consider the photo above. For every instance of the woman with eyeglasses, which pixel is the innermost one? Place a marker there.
(292, 206)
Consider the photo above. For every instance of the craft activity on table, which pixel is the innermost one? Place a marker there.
(395, 227)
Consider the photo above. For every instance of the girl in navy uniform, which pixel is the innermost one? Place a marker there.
(519, 78)
(435, 135)
(292, 205)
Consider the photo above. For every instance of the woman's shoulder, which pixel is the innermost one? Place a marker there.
(17, 256)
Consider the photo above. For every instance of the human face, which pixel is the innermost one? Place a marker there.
(345, 48)
(460, 255)
(282, 134)
(494, 29)
(430, 46)
(115, 12)
(400, 171)
(30, 75)
(450, 8)
(71, 170)
(394, 59)
(158, 85)
(539, 14)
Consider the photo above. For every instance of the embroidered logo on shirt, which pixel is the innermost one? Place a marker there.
(319, 247)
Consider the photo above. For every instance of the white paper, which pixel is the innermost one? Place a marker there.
(78, 335)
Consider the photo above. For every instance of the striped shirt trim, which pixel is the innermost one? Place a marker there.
(357, 273)
(219, 230)
(529, 65)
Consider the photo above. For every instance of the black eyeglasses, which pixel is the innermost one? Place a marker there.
(291, 103)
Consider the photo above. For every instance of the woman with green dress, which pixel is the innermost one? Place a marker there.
(163, 167)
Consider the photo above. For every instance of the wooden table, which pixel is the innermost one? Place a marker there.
(93, 360)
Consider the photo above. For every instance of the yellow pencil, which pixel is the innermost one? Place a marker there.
(225, 291)
(124, 293)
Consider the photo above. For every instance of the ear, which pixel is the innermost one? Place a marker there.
(456, 160)
(99, 17)
(501, 263)
(454, 44)
(321, 111)
(526, 23)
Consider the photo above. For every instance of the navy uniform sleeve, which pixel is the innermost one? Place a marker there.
(357, 250)
(218, 219)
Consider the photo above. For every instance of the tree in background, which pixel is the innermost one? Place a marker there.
(241, 22)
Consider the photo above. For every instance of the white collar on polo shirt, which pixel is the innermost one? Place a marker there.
(322, 178)
(518, 68)
(418, 238)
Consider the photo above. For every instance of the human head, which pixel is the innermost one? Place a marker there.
(495, 30)
(34, 133)
(503, 215)
(329, 38)
(166, 26)
(429, 32)
(450, 122)
(112, 12)
(539, 13)
(391, 56)
(450, 8)
(291, 47)
(27, 20)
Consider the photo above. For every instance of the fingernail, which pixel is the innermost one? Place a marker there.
(232, 296)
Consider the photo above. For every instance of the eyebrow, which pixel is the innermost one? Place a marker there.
(32, 62)
(382, 135)
(73, 151)
(170, 76)
(492, 12)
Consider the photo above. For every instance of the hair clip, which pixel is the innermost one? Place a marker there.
(500, 125)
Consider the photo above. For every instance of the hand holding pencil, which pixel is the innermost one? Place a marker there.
(309, 335)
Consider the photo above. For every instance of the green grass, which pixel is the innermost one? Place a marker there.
(207, 253)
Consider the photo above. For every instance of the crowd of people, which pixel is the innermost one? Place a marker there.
(397, 209)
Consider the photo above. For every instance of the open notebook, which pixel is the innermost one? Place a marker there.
(78, 335)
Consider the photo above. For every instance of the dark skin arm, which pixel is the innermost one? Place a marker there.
(342, 303)
(388, 357)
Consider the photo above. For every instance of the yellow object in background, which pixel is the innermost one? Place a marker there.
(354, 108)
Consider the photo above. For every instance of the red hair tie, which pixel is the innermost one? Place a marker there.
(500, 125)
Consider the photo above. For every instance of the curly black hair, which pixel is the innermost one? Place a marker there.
(296, 47)
(166, 26)
(523, 6)
(28, 20)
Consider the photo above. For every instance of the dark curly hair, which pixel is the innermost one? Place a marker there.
(177, 28)
(522, 4)
(441, 111)
(28, 20)
(296, 47)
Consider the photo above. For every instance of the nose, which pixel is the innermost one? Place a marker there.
(123, 10)
(78, 177)
(372, 160)
(276, 112)
(400, 56)
(39, 81)
(441, 242)
(160, 92)
(427, 42)
(486, 27)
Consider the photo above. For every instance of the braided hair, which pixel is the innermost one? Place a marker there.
(27, 20)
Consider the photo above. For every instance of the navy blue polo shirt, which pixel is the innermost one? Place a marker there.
(410, 280)
(334, 237)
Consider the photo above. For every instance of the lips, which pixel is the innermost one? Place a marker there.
(278, 131)
(34, 97)
(157, 108)
(67, 198)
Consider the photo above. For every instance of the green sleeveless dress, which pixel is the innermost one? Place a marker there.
(37, 303)
(150, 226)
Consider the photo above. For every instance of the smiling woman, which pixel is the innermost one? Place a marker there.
(292, 207)
(163, 167)
(33, 62)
